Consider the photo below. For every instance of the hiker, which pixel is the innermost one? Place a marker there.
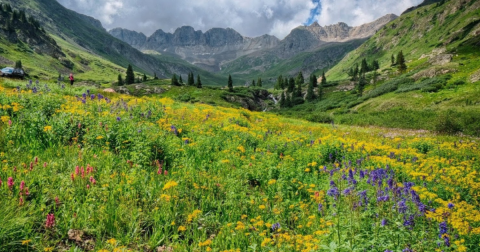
(71, 79)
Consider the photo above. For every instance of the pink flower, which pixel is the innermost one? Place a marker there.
(0, 181)
(72, 176)
(9, 123)
(22, 185)
(92, 180)
(88, 186)
(36, 160)
(31, 166)
(44, 164)
(57, 201)
(79, 125)
(14, 169)
(77, 171)
(27, 192)
(165, 173)
(50, 221)
(20, 201)
(83, 172)
(10, 183)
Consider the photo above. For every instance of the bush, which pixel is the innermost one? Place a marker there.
(388, 87)
(320, 118)
(426, 85)
(447, 124)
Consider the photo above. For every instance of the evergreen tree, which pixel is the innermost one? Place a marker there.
(259, 82)
(313, 80)
(350, 73)
(288, 101)
(279, 83)
(155, 76)
(174, 81)
(375, 65)
(191, 79)
(291, 85)
(393, 60)
(324, 79)
(120, 80)
(14, 16)
(402, 67)
(364, 68)
(180, 79)
(299, 81)
(130, 78)
(18, 64)
(230, 83)
(282, 100)
(361, 84)
(199, 82)
(144, 77)
(253, 83)
(285, 83)
(375, 76)
(310, 94)
(22, 16)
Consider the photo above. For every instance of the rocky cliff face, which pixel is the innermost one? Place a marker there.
(208, 50)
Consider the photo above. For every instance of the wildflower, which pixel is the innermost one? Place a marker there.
(450, 205)
(88, 187)
(47, 128)
(182, 228)
(26, 242)
(443, 229)
(20, 201)
(50, 221)
(26, 191)
(275, 226)
(262, 207)
(10, 183)
(49, 249)
(384, 222)
(118, 119)
(169, 185)
(9, 123)
(44, 164)
(22, 185)
(5, 118)
(320, 207)
(57, 201)
(92, 180)
(112, 241)
(446, 241)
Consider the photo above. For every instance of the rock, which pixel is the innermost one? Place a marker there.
(441, 59)
(109, 90)
(164, 249)
(475, 76)
(75, 235)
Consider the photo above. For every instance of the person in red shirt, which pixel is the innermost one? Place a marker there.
(71, 79)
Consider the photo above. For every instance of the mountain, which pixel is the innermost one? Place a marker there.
(85, 33)
(440, 43)
(208, 50)
(302, 48)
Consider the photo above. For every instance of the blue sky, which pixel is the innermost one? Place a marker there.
(249, 17)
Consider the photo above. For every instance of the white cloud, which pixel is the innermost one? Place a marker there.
(249, 17)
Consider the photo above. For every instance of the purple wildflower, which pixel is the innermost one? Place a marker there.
(450, 205)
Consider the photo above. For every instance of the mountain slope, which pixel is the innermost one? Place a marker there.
(439, 89)
(208, 50)
(305, 40)
(88, 34)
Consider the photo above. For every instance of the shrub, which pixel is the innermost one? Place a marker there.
(446, 123)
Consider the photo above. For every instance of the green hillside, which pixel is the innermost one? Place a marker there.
(438, 91)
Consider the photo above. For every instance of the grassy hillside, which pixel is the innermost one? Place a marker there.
(440, 89)
(82, 171)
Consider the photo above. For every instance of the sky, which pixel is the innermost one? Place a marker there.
(249, 17)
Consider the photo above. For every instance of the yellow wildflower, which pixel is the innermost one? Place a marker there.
(47, 128)
(169, 185)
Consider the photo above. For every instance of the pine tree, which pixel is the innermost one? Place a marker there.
(291, 85)
(393, 60)
(285, 83)
(191, 79)
(174, 81)
(324, 79)
(279, 83)
(282, 100)
(253, 83)
(375, 76)
(288, 101)
(180, 79)
(364, 68)
(199, 82)
(120, 80)
(259, 82)
(355, 73)
(313, 80)
(130, 78)
(375, 65)
(155, 76)
(361, 84)
(299, 81)
(310, 94)
(402, 67)
(230, 83)
(144, 77)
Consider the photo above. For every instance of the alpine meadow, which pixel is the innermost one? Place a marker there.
(332, 138)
